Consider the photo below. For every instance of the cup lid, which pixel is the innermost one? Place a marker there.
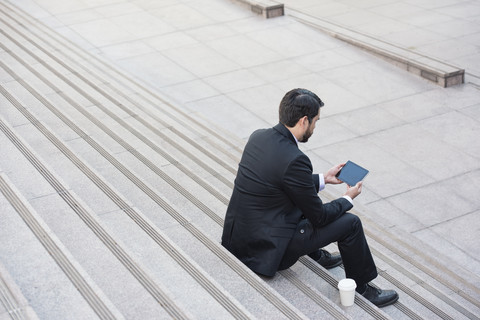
(347, 284)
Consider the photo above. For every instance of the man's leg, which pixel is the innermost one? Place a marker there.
(347, 231)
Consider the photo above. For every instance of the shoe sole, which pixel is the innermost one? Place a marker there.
(333, 265)
(388, 303)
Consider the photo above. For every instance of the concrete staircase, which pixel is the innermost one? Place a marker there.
(112, 203)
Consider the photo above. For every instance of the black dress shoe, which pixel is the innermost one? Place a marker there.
(379, 297)
(326, 259)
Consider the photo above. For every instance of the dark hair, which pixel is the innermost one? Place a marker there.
(296, 104)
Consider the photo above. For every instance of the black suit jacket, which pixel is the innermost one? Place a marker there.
(273, 189)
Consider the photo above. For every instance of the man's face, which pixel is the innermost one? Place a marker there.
(310, 128)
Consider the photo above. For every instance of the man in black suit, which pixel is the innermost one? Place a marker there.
(275, 215)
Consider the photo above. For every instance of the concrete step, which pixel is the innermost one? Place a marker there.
(13, 302)
(132, 289)
(45, 273)
(19, 259)
(143, 187)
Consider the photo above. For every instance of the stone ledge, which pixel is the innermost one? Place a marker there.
(268, 9)
(439, 72)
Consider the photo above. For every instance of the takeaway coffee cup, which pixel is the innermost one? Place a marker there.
(347, 291)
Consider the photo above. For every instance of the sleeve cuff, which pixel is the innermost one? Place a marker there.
(349, 199)
(321, 182)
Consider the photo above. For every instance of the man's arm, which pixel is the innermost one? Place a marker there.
(301, 188)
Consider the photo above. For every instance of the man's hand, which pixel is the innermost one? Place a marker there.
(354, 191)
(330, 176)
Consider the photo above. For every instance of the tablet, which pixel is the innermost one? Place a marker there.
(352, 173)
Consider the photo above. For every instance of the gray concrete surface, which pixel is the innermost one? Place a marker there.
(447, 30)
(232, 67)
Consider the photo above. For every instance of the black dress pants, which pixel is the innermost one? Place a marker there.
(347, 231)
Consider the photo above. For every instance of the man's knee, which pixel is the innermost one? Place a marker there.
(354, 224)
(353, 219)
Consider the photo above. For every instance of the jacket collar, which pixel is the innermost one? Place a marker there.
(285, 132)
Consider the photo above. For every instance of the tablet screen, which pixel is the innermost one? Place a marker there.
(352, 173)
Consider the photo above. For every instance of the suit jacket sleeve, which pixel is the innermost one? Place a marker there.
(316, 181)
(300, 186)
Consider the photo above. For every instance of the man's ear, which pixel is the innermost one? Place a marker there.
(301, 121)
(305, 120)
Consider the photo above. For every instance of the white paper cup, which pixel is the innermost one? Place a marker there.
(347, 291)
